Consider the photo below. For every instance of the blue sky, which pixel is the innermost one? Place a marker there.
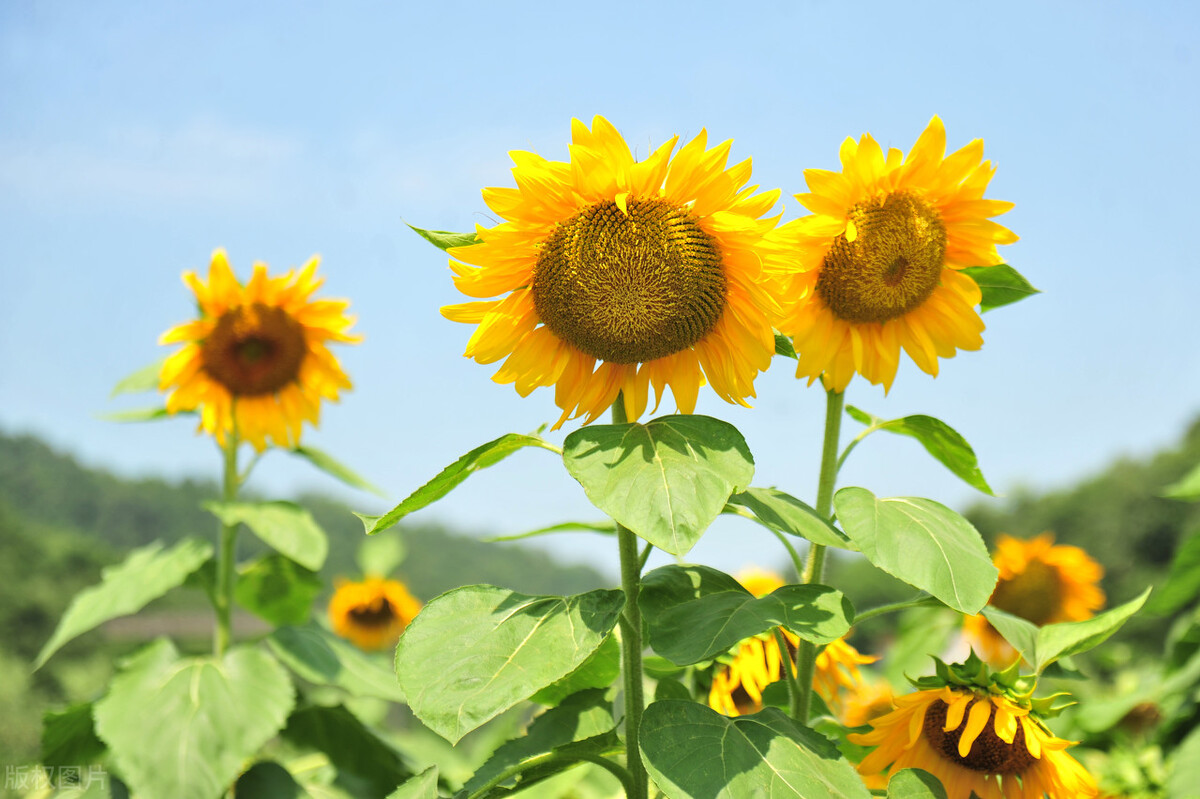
(137, 137)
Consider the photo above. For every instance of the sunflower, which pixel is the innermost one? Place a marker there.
(1040, 581)
(867, 701)
(738, 684)
(256, 362)
(372, 613)
(880, 259)
(974, 742)
(613, 275)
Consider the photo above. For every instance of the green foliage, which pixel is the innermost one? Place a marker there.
(422, 786)
(320, 657)
(665, 480)
(939, 439)
(144, 379)
(268, 780)
(448, 479)
(286, 526)
(693, 752)
(278, 589)
(783, 346)
(365, 763)
(600, 670)
(444, 239)
(154, 414)
(381, 554)
(477, 651)
(209, 715)
(335, 469)
(1000, 284)
(1183, 584)
(69, 737)
(915, 783)
(783, 512)
(146, 574)
(921, 542)
(695, 613)
(1183, 768)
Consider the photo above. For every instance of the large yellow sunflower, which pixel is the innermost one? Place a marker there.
(256, 361)
(1040, 581)
(974, 742)
(614, 274)
(373, 613)
(880, 259)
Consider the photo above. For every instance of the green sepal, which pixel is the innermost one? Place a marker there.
(783, 346)
(1000, 285)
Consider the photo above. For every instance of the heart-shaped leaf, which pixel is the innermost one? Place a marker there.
(285, 526)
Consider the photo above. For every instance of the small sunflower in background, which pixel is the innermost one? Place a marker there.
(372, 613)
(880, 259)
(981, 734)
(256, 361)
(614, 275)
(1041, 582)
(738, 683)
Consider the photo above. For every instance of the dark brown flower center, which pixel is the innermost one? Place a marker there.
(630, 288)
(893, 264)
(988, 754)
(376, 613)
(1035, 594)
(254, 349)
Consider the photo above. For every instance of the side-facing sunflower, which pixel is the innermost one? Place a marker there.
(256, 361)
(739, 680)
(373, 613)
(880, 259)
(1041, 582)
(614, 274)
(974, 742)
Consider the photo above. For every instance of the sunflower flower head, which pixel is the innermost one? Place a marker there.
(372, 613)
(256, 362)
(837, 671)
(609, 275)
(880, 259)
(980, 733)
(1040, 581)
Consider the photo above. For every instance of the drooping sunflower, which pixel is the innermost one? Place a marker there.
(372, 613)
(614, 275)
(256, 361)
(880, 259)
(739, 682)
(1040, 581)
(974, 742)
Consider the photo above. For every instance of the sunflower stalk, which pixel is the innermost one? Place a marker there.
(227, 544)
(631, 643)
(814, 567)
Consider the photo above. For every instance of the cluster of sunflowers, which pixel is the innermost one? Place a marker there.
(610, 275)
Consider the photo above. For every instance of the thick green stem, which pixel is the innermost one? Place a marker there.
(631, 644)
(227, 544)
(806, 656)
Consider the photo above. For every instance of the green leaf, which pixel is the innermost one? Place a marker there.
(604, 528)
(268, 780)
(147, 574)
(1183, 768)
(670, 688)
(184, 727)
(444, 239)
(422, 786)
(1185, 488)
(69, 737)
(783, 346)
(286, 526)
(1000, 284)
(939, 439)
(921, 542)
(1055, 641)
(695, 613)
(915, 783)
(144, 379)
(476, 651)
(350, 746)
(320, 657)
(665, 480)
(278, 589)
(785, 513)
(139, 415)
(1183, 584)
(600, 670)
(381, 554)
(1020, 633)
(448, 479)
(582, 716)
(335, 469)
(693, 752)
